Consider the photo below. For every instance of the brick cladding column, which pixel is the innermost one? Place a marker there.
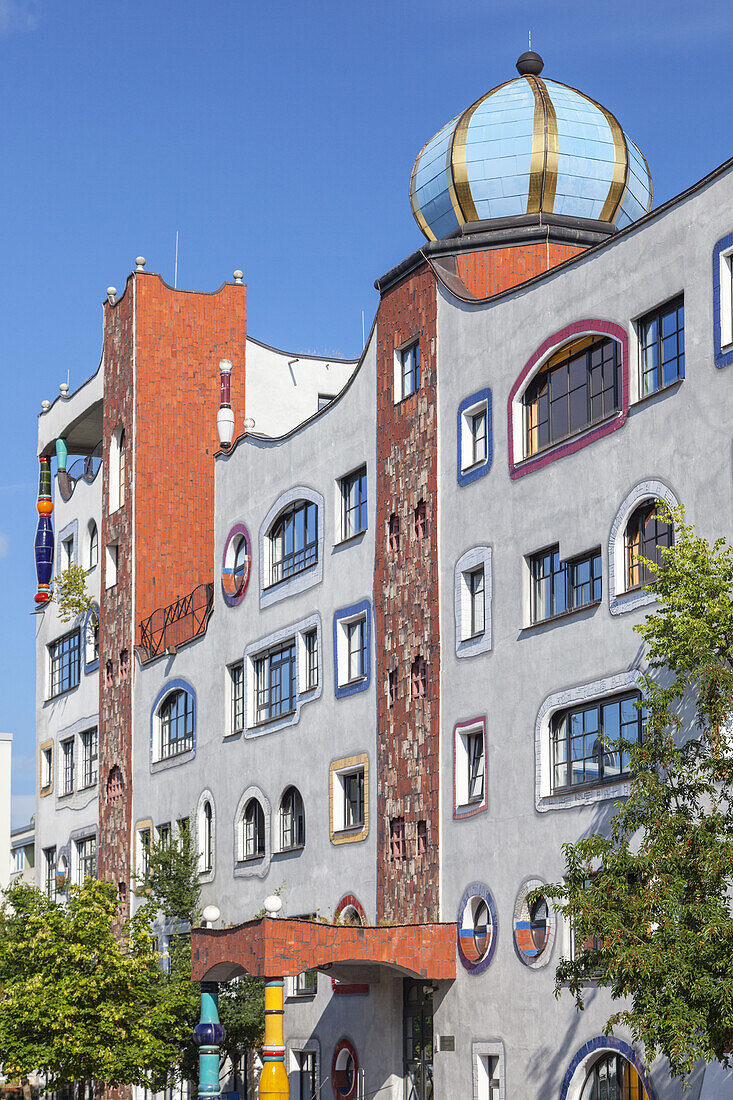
(406, 607)
(495, 269)
(180, 335)
(115, 621)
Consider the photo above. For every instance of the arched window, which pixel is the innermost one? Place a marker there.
(176, 716)
(578, 386)
(612, 1077)
(253, 829)
(293, 539)
(292, 820)
(207, 838)
(645, 537)
(93, 554)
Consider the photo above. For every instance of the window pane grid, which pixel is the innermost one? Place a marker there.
(662, 340)
(354, 504)
(646, 536)
(176, 724)
(356, 650)
(65, 658)
(583, 742)
(236, 676)
(294, 542)
(566, 398)
(49, 855)
(90, 746)
(87, 856)
(275, 684)
(560, 586)
(68, 753)
(311, 660)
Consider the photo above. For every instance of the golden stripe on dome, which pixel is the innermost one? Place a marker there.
(457, 153)
(617, 189)
(552, 149)
(416, 211)
(537, 163)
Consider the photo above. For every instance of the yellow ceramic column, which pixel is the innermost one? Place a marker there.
(274, 1078)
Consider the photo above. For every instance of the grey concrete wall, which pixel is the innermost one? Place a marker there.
(681, 438)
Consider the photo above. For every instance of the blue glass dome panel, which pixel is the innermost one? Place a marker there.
(586, 153)
(638, 191)
(499, 151)
(430, 184)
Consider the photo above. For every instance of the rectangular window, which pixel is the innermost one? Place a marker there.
(585, 741)
(143, 852)
(422, 837)
(65, 663)
(86, 856)
(489, 1077)
(353, 787)
(475, 754)
(408, 371)
(662, 346)
(164, 834)
(397, 840)
(421, 521)
(477, 437)
(310, 640)
(353, 489)
(18, 861)
(275, 684)
(476, 601)
(67, 775)
(562, 586)
(418, 679)
(393, 536)
(391, 687)
(46, 767)
(306, 1060)
(67, 553)
(49, 871)
(110, 565)
(90, 756)
(306, 983)
(356, 650)
(236, 697)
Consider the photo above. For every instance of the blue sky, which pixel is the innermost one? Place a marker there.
(277, 138)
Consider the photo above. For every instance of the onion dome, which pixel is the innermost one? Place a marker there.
(529, 146)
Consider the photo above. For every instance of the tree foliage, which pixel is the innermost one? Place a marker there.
(81, 1000)
(70, 593)
(650, 902)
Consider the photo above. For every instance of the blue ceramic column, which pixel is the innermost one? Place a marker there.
(208, 1034)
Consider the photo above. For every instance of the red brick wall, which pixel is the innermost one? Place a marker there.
(116, 621)
(181, 336)
(486, 273)
(406, 606)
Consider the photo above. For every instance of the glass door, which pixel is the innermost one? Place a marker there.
(418, 1040)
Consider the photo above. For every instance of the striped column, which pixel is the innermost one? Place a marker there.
(274, 1078)
(207, 1035)
(44, 533)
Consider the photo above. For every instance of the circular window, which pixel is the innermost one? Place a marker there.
(534, 926)
(477, 927)
(236, 565)
(344, 1070)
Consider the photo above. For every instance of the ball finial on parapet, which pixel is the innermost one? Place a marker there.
(111, 294)
(239, 277)
(139, 263)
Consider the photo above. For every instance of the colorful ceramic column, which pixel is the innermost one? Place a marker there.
(44, 533)
(207, 1036)
(274, 1078)
(225, 415)
(62, 452)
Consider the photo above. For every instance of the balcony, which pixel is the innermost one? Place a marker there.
(170, 627)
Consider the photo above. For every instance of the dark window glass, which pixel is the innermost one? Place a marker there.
(391, 687)
(294, 541)
(254, 830)
(207, 846)
(477, 617)
(612, 1077)
(311, 659)
(419, 678)
(394, 533)
(421, 520)
(65, 658)
(356, 650)
(275, 684)
(86, 850)
(67, 748)
(93, 545)
(559, 586)
(410, 369)
(646, 536)
(577, 388)
(236, 678)
(307, 1075)
(176, 724)
(49, 868)
(662, 346)
(397, 840)
(90, 749)
(477, 427)
(292, 820)
(475, 746)
(353, 783)
(583, 739)
(353, 503)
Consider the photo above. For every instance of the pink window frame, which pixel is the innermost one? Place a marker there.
(590, 326)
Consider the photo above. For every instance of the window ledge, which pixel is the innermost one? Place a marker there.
(270, 721)
(66, 794)
(274, 585)
(561, 616)
(349, 830)
(667, 388)
(351, 538)
(289, 851)
(232, 734)
(249, 860)
(60, 694)
(560, 792)
(350, 683)
(474, 466)
(558, 443)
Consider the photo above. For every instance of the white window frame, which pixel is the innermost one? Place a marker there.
(485, 1054)
(399, 353)
(111, 564)
(343, 485)
(260, 649)
(726, 299)
(68, 775)
(344, 629)
(251, 866)
(68, 552)
(89, 739)
(302, 1046)
(92, 546)
(463, 734)
(76, 849)
(306, 578)
(468, 459)
(116, 498)
(297, 846)
(46, 767)
(468, 645)
(231, 694)
(620, 601)
(339, 801)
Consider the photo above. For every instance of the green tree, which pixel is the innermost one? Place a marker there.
(81, 1000)
(650, 901)
(172, 885)
(70, 593)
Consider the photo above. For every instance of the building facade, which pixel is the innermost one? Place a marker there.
(367, 648)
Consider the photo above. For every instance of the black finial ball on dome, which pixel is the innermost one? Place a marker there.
(530, 64)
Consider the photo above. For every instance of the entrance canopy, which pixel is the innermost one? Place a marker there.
(275, 947)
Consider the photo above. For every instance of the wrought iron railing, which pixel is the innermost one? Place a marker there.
(169, 627)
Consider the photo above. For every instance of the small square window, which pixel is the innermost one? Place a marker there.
(305, 984)
(353, 503)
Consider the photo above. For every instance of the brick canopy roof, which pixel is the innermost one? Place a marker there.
(279, 948)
